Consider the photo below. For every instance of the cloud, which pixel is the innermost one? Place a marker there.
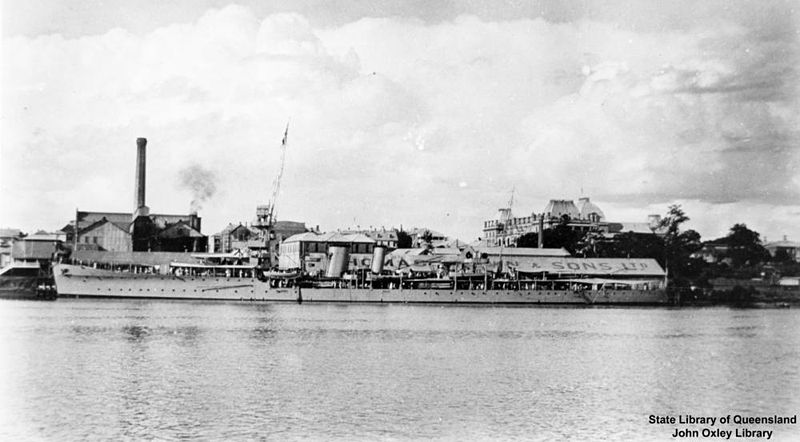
(704, 125)
(397, 120)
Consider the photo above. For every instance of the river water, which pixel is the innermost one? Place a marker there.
(130, 369)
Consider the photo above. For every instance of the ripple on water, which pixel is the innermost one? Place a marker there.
(78, 369)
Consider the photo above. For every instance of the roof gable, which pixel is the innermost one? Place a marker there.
(100, 223)
(180, 230)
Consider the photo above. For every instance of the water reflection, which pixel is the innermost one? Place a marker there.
(135, 333)
(263, 333)
(164, 370)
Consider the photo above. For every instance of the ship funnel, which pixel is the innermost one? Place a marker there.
(378, 255)
(338, 257)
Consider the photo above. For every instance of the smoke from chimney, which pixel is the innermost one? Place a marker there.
(202, 183)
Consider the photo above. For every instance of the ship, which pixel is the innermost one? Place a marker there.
(145, 271)
(230, 277)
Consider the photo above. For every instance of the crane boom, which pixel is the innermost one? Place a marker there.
(276, 185)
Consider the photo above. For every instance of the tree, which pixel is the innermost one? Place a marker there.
(637, 245)
(671, 223)
(403, 240)
(782, 255)
(679, 246)
(528, 240)
(427, 236)
(744, 247)
(561, 235)
(590, 245)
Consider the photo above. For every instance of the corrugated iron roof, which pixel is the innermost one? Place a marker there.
(302, 237)
(23, 249)
(10, 233)
(408, 252)
(786, 244)
(523, 251)
(180, 230)
(122, 226)
(334, 237)
(445, 251)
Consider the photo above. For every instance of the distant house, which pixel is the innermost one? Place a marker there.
(243, 237)
(234, 237)
(791, 249)
(713, 251)
(382, 237)
(421, 236)
(7, 237)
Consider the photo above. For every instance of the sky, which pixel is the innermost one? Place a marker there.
(409, 113)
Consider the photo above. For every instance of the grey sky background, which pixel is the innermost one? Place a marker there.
(415, 113)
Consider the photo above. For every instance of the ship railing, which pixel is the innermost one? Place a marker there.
(205, 270)
(120, 267)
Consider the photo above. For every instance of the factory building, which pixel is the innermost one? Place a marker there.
(110, 231)
(139, 231)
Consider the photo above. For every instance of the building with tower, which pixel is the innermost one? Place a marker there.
(506, 228)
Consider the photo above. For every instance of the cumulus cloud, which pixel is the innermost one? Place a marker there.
(704, 125)
(396, 120)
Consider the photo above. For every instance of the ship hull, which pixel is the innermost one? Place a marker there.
(80, 281)
(510, 297)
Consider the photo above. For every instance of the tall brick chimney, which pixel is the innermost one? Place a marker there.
(139, 207)
(141, 166)
(142, 229)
